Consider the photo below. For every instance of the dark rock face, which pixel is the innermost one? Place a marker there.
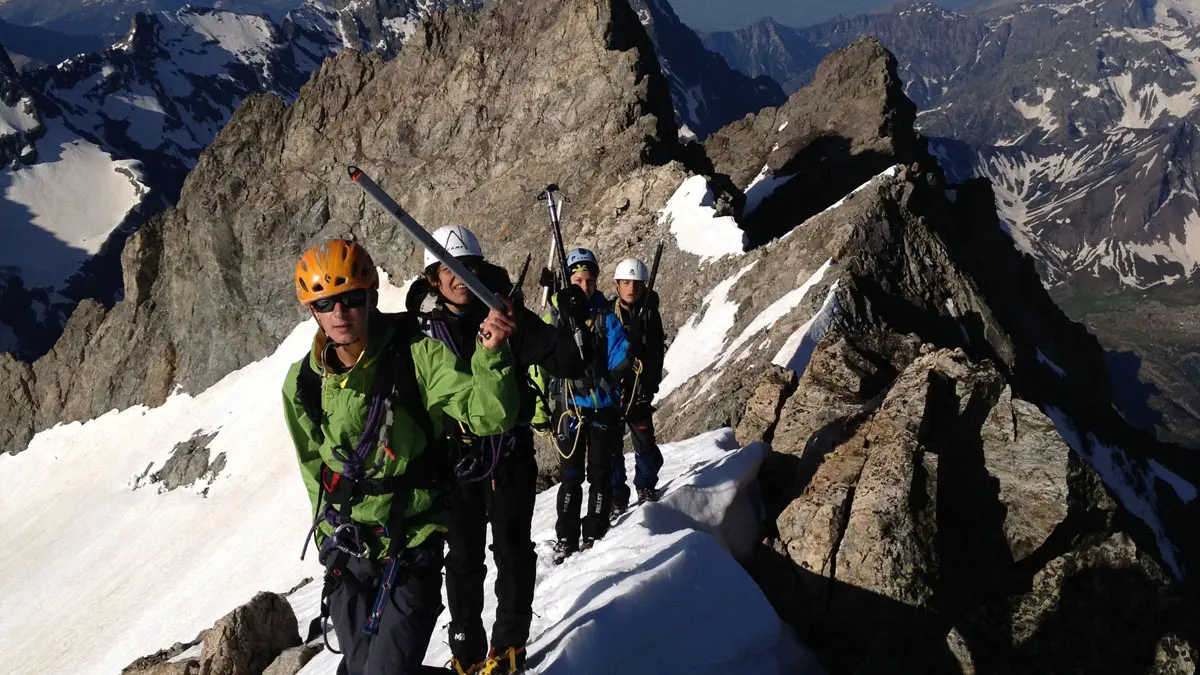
(850, 124)
(189, 462)
(930, 466)
(159, 663)
(761, 414)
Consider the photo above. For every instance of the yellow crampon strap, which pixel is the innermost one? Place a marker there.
(502, 663)
(459, 670)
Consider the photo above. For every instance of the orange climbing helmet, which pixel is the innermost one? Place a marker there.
(332, 268)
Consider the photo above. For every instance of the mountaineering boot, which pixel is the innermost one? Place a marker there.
(505, 661)
(617, 510)
(588, 542)
(647, 495)
(562, 549)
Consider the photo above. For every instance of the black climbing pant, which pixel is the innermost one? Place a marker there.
(408, 619)
(508, 505)
(599, 433)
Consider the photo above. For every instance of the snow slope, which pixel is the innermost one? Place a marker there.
(660, 593)
(140, 569)
(702, 345)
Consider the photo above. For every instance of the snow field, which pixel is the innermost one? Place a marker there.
(133, 571)
(62, 209)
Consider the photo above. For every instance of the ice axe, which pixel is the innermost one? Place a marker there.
(425, 239)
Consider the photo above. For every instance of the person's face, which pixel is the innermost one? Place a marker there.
(630, 290)
(451, 287)
(344, 317)
(584, 280)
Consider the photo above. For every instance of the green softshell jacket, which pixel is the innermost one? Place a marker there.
(487, 398)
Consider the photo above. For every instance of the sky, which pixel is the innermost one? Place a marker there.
(712, 15)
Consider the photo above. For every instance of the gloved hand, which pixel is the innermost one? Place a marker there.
(573, 304)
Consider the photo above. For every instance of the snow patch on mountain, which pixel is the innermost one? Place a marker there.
(701, 339)
(695, 223)
(1176, 13)
(1132, 483)
(18, 118)
(246, 37)
(1039, 111)
(401, 27)
(206, 63)
(763, 186)
(62, 209)
(772, 314)
(797, 351)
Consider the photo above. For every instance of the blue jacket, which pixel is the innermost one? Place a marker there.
(601, 386)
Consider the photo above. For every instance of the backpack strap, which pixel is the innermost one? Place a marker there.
(308, 389)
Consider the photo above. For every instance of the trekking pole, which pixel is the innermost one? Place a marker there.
(414, 228)
(548, 195)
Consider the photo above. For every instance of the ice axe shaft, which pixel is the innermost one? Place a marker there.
(653, 276)
(549, 193)
(414, 228)
(517, 287)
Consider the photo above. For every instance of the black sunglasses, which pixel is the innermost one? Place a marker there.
(350, 300)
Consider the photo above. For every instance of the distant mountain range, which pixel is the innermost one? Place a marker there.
(102, 140)
(1083, 115)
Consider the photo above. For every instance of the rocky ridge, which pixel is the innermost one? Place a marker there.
(1081, 115)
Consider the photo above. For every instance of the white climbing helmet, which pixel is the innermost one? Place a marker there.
(458, 242)
(631, 269)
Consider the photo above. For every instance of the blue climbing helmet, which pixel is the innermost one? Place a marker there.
(582, 258)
